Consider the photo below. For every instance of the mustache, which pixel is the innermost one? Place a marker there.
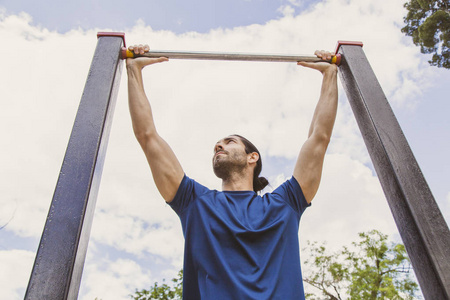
(220, 151)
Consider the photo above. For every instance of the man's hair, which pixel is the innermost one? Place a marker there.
(259, 183)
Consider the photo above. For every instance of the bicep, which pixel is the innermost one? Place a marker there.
(166, 169)
(309, 165)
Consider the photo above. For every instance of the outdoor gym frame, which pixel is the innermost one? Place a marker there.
(60, 257)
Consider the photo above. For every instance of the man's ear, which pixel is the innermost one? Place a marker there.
(252, 157)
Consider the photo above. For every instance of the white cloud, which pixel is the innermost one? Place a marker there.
(286, 10)
(349, 201)
(16, 270)
(159, 236)
(195, 104)
(113, 279)
(40, 90)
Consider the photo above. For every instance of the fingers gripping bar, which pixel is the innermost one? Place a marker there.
(229, 56)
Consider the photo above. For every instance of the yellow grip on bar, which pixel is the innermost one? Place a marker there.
(125, 53)
(130, 54)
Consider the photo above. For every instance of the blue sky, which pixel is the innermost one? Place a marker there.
(136, 239)
(173, 15)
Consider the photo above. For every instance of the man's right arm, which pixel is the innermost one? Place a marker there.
(166, 169)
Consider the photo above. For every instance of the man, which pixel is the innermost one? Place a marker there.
(238, 245)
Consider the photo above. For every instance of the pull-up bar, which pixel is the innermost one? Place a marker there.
(336, 59)
(125, 53)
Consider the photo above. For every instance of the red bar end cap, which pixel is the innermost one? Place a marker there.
(116, 34)
(353, 43)
(338, 59)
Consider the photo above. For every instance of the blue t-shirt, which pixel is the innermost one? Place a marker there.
(239, 245)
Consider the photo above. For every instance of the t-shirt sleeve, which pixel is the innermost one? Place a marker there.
(187, 192)
(291, 192)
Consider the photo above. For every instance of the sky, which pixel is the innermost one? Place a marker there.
(136, 238)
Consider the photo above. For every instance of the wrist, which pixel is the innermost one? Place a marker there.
(132, 66)
(331, 70)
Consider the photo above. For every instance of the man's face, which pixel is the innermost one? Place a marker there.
(229, 156)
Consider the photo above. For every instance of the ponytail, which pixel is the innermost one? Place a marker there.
(259, 183)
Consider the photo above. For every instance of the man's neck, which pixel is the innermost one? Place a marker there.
(238, 182)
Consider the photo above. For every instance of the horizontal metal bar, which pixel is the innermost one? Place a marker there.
(227, 56)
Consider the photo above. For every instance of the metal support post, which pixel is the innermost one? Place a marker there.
(62, 250)
(420, 222)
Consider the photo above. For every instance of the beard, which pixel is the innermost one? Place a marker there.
(225, 165)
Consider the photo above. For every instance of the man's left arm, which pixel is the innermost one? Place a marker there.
(308, 168)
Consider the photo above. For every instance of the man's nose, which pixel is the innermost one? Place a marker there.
(218, 147)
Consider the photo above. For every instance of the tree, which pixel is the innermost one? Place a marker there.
(162, 292)
(325, 272)
(428, 23)
(373, 270)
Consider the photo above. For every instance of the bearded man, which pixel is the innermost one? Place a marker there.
(238, 244)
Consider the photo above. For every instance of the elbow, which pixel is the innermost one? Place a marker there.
(144, 136)
(321, 138)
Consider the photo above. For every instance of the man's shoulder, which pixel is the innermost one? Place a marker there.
(190, 188)
(288, 184)
(291, 193)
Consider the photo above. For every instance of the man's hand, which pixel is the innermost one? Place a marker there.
(320, 66)
(141, 62)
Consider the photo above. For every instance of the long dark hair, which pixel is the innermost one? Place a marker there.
(259, 183)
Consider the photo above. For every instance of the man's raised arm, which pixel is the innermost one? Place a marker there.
(167, 171)
(308, 169)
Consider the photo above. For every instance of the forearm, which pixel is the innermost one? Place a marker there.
(325, 112)
(140, 109)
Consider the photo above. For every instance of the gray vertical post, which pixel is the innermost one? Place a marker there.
(420, 222)
(60, 257)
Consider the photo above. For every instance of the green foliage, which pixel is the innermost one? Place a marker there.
(428, 23)
(374, 270)
(325, 272)
(162, 292)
